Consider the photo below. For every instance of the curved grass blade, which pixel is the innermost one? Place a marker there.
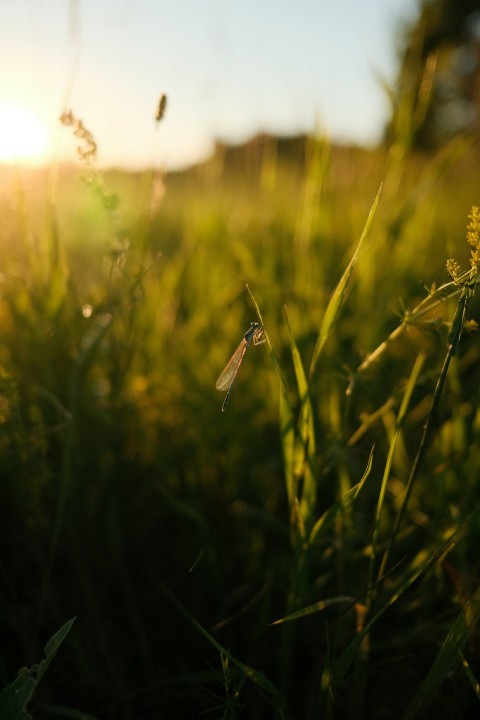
(254, 675)
(343, 503)
(338, 296)
(352, 650)
(287, 424)
(276, 364)
(315, 607)
(410, 386)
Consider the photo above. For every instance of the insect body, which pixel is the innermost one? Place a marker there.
(229, 373)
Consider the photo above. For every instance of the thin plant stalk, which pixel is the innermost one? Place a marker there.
(398, 425)
(454, 340)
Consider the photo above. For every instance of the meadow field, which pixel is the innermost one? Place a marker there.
(311, 552)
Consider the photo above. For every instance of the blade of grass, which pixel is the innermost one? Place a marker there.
(345, 502)
(254, 675)
(448, 655)
(275, 362)
(305, 445)
(351, 651)
(16, 696)
(287, 424)
(410, 386)
(287, 431)
(470, 675)
(453, 341)
(338, 295)
(447, 291)
(314, 608)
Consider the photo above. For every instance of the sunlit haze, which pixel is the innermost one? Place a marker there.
(230, 69)
(23, 137)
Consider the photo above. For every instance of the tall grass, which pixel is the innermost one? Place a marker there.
(312, 551)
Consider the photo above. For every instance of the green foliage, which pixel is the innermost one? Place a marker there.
(15, 698)
(275, 559)
(435, 99)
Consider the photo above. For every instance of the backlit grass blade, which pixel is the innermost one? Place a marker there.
(411, 384)
(287, 426)
(287, 432)
(338, 296)
(470, 675)
(343, 503)
(305, 443)
(275, 362)
(352, 650)
(314, 608)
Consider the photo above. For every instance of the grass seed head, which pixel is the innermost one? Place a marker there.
(473, 237)
(162, 106)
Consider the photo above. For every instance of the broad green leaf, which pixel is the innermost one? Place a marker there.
(52, 646)
(16, 696)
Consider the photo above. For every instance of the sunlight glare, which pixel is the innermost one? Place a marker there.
(22, 135)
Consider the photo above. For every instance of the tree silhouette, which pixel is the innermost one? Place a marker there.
(439, 74)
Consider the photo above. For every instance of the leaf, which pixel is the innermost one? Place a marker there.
(16, 696)
(343, 503)
(305, 444)
(287, 432)
(287, 428)
(409, 388)
(52, 646)
(255, 675)
(338, 295)
(351, 651)
(315, 607)
(275, 362)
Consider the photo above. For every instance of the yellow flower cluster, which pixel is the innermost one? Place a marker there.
(473, 237)
(454, 269)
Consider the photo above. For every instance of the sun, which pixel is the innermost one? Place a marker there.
(23, 137)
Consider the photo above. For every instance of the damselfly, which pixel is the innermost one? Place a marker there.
(229, 373)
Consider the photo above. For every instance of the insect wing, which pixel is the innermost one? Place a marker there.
(229, 373)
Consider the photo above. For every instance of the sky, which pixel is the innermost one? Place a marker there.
(229, 68)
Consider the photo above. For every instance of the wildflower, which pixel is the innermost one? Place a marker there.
(454, 269)
(473, 237)
(460, 277)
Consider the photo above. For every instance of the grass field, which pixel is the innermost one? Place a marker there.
(313, 551)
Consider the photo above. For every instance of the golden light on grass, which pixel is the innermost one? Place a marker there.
(23, 137)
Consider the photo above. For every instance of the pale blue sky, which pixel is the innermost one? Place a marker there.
(229, 67)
